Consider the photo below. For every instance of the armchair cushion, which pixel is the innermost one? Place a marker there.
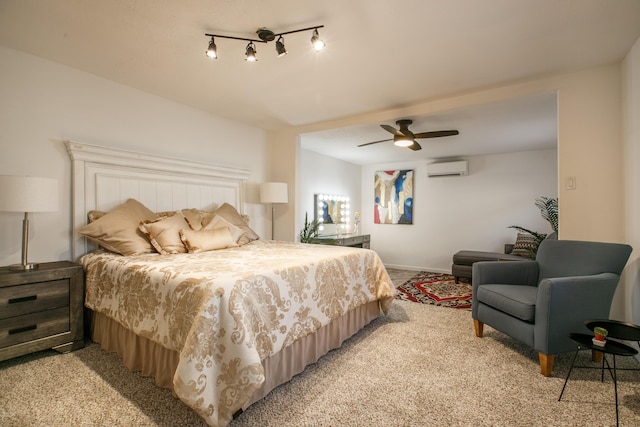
(516, 301)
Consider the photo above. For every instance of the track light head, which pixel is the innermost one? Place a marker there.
(212, 50)
(250, 54)
(316, 41)
(280, 47)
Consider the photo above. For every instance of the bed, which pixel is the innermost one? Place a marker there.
(221, 320)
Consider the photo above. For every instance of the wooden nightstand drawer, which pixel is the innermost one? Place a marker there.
(24, 299)
(19, 329)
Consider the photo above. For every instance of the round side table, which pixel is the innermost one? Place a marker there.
(611, 347)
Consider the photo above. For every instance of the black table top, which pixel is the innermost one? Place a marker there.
(611, 347)
(616, 329)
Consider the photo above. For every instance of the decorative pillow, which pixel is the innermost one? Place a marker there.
(165, 213)
(164, 234)
(195, 217)
(220, 222)
(95, 215)
(526, 246)
(230, 213)
(207, 240)
(117, 231)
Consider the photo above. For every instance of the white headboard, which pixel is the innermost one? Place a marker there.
(104, 178)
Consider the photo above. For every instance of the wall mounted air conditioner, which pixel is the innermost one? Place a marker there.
(459, 168)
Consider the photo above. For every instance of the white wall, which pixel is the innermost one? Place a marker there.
(327, 175)
(627, 299)
(470, 212)
(589, 146)
(43, 103)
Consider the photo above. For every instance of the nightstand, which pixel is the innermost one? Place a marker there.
(41, 309)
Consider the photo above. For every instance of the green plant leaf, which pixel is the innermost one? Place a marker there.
(549, 210)
(310, 229)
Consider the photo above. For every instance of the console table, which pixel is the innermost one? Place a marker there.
(352, 240)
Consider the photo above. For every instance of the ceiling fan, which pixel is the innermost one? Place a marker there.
(403, 137)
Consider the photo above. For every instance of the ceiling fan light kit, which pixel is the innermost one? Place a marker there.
(402, 141)
(265, 35)
(403, 137)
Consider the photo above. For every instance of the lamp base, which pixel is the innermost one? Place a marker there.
(24, 267)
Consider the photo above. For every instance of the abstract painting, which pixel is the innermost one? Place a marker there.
(393, 195)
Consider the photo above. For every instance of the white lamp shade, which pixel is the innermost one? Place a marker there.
(274, 192)
(28, 194)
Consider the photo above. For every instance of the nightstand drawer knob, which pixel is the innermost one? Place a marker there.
(22, 329)
(22, 299)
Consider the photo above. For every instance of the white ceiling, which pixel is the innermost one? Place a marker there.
(380, 55)
(521, 124)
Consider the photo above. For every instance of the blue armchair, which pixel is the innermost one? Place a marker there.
(540, 302)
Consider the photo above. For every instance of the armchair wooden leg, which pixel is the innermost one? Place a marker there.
(546, 363)
(478, 325)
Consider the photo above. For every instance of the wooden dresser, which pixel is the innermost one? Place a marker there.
(41, 309)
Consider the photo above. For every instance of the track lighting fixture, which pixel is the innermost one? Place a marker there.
(212, 51)
(316, 41)
(280, 47)
(264, 36)
(250, 54)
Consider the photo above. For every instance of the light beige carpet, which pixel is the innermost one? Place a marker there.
(421, 365)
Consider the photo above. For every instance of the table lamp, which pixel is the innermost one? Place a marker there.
(27, 194)
(274, 192)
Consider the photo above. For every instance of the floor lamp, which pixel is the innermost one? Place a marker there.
(274, 192)
(27, 194)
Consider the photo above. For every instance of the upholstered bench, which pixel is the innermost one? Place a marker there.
(463, 260)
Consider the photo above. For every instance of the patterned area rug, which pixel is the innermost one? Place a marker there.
(436, 289)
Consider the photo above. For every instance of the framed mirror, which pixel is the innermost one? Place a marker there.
(331, 209)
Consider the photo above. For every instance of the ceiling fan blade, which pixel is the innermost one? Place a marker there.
(415, 146)
(392, 130)
(436, 134)
(374, 142)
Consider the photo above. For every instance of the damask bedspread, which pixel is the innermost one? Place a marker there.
(225, 311)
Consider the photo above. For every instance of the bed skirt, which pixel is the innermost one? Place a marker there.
(151, 359)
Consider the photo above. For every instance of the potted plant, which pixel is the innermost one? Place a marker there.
(309, 231)
(600, 333)
(600, 336)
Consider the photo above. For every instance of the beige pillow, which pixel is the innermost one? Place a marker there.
(165, 213)
(95, 215)
(207, 240)
(230, 213)
(195, 217)
(117, 231)
(164, 234)
(220, 222)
